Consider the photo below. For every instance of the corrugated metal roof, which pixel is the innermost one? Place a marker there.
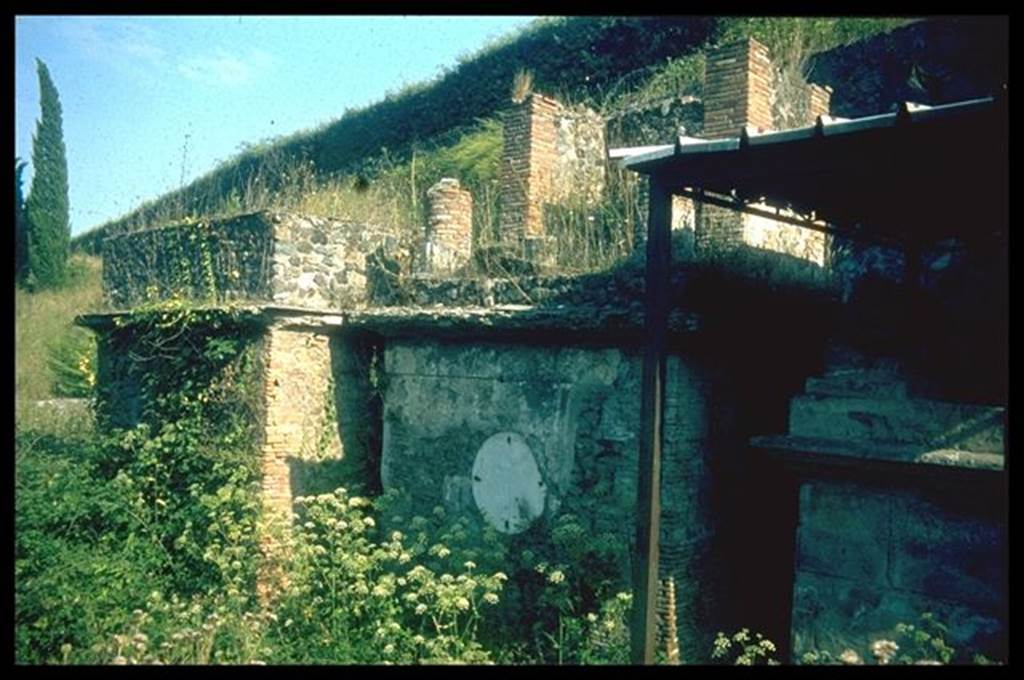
(645, 159)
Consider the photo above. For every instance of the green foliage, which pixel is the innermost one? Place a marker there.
(675, 77)
(72, 361)
(40, 318)
(170, 505)
(20, 225)
(563, 600)
(357, 594)
(924, 642)
(46, 208)
(792, 40)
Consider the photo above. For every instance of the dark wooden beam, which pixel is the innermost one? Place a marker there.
(825, 227)
(652, 406)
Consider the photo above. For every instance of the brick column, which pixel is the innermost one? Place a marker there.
(819, 101)
(297, 372)
(737, 89)
(737, 93)
(527, 167)
(449, 238)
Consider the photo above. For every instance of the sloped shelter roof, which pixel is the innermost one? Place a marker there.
(921, 173)
(913, 177)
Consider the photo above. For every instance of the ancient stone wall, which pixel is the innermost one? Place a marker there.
(740, 92)
(223, 260)
(576, 411)
(656, 123)
(579, 174)
(869, 558)
(936, 61)
(320, 262)
(284, 258)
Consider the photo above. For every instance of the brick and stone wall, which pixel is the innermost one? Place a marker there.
(552, 154)
(527, 162)
(448, 245)
(284, 258)
(576, 409)
(739, 92)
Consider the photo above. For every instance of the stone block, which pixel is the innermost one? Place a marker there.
(947, 555)
(913, 421)
(843, 531)
(872, 384)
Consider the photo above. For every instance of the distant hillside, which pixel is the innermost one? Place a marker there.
(589, 59)
(930, 62)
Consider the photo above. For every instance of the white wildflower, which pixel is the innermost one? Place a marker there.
(851, 658)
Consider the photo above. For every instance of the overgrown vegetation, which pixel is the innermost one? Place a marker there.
(608, 63)
(166, 506)
(44, 335)
(142, 544)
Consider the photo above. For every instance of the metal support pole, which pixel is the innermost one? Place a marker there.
(652, 390)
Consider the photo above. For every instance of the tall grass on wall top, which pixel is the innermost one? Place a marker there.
(579, 54)
(607, 62)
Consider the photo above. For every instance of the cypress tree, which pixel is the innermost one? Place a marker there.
(47, 206)
(20, 227)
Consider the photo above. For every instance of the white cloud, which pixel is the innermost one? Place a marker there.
(124, 45)
(223, 68)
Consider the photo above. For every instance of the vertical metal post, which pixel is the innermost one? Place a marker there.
(652, 400)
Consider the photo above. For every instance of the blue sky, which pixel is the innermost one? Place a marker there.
(148, 101)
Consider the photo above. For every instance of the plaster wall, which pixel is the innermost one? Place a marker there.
(577, 410)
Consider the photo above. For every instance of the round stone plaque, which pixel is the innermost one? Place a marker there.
(507, 485)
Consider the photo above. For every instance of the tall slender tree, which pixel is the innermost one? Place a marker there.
(46, 209)
(20, 227)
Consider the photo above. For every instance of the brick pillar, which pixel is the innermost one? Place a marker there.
(297, 373)
(296, 380)
(737, 93)
(449, 238)
(819, 101)
(527, 167)
(737, 89)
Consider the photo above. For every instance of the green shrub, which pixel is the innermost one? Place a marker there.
(72, 362)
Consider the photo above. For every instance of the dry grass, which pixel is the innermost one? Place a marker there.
(42, 317)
